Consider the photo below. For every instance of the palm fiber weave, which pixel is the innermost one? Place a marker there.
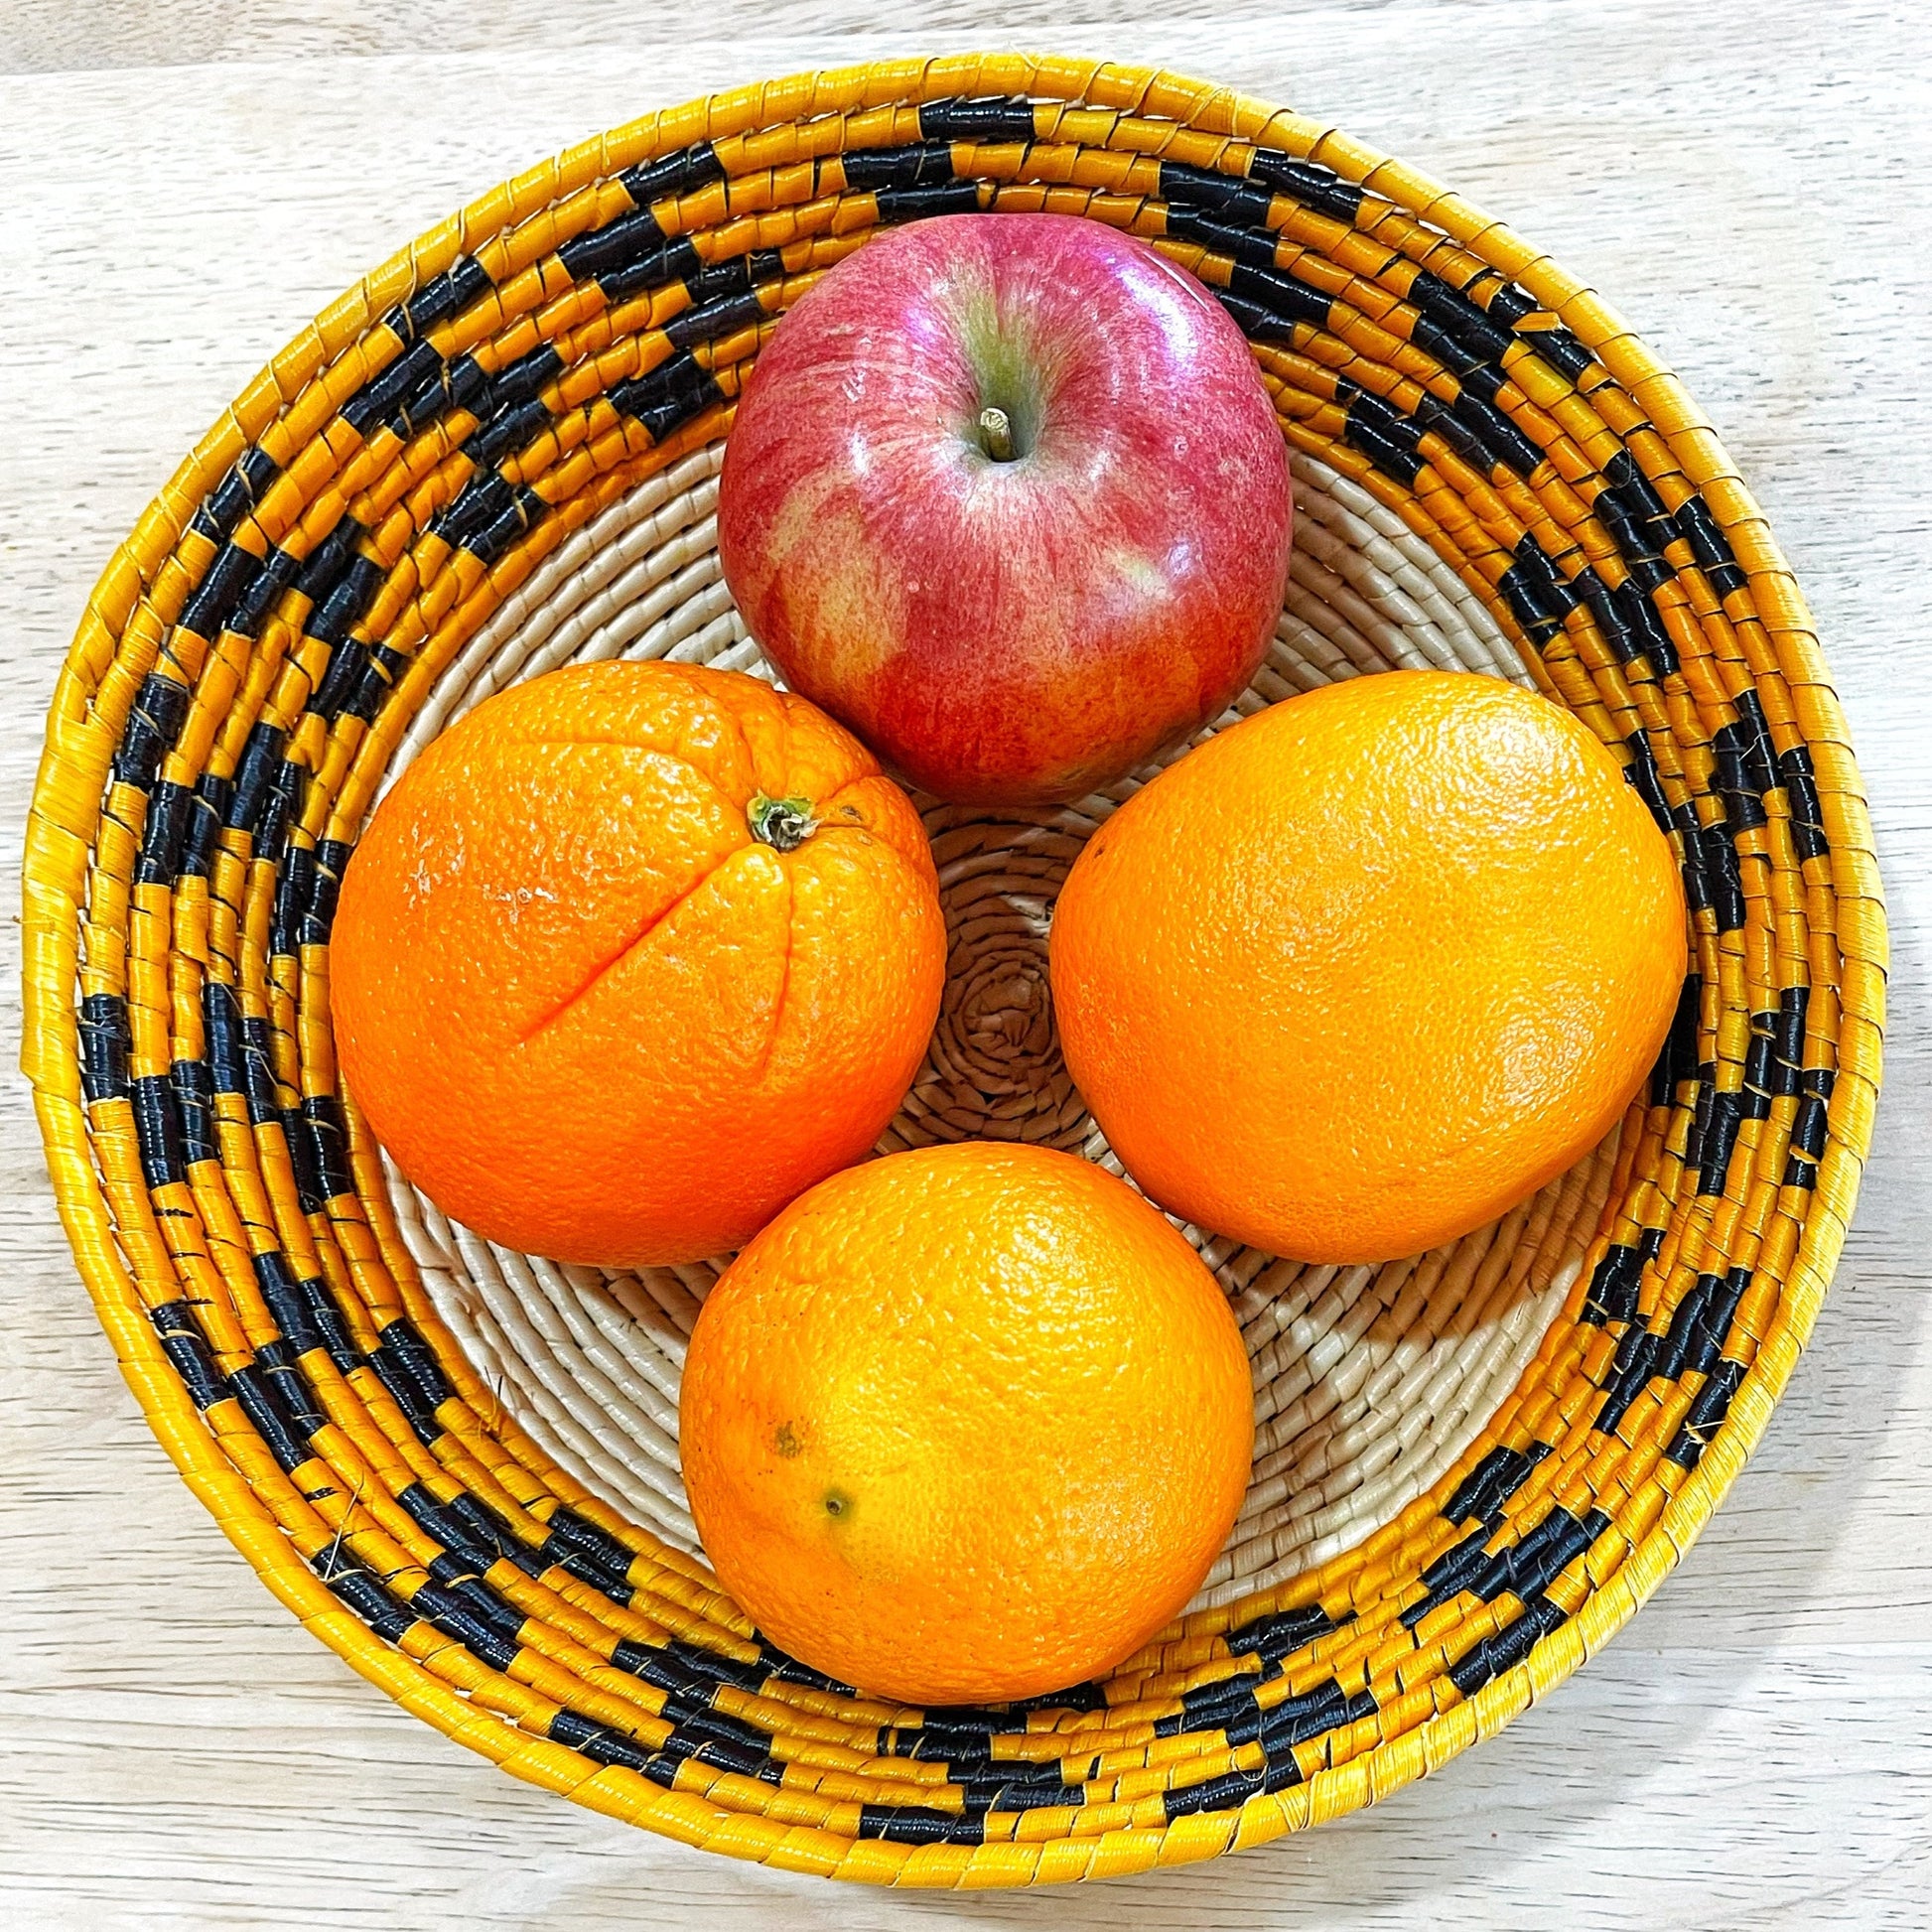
(559, 363)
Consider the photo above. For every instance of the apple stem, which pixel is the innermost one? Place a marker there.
(996, 434)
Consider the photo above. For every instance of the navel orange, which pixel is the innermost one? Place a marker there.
(1366, 969)
(969, 1423)
(632, 955)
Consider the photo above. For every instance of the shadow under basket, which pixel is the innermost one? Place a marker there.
(457, 1465)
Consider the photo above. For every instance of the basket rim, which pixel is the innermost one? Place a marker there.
(78, 749)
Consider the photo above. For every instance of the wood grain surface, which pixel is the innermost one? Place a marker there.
(182, 185)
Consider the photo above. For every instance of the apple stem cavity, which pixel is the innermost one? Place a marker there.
(995, 435)
(784, 824)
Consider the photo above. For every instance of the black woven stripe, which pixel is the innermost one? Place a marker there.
(455, 1616)
(1253, 248)
(164, 834)
(406, 1344)
(590, 1554)
(1461, 317)
(359, 1587)
(1639, 538)
(1801, 801)
(261, 1401)
(105, 1043)
(672, 173)
(1324, 1707)
(1612, 1294)
(656, 268)
(1642, 774)
(1722, 1119)
(1811, 1129)
(295, 886)
(448, 294)
(1733, 780)
(330, 557)
(258, 1080)
(1279, 294)
(195, 1101)
(919, 1825)
(1223, 1793)
(1228, 1704)
(281, 808)
(1709, 546)
(1528, 1568)
(1381, 433)
(1454, 1572)
(308, 1195)
(1645, 627)
(921, 204)
(678, 1665)
(1541, 623)
(157, 1129)
(1537, 593)
(603, 1745)
(337, 1340)
(284, 1374)
(723, 316)
(1678, 1060)
(1482, 1494)
(459, 1585)
(1010, 1794)
(221, 1023)
(219, 591)
(1700, 1326)
(255, 777)
(917, 166)
(612, 246)
(273, 574)
(1707, 1414)
(509, 430)
(788, 1670)
(1723, 875)
(1307, 182)
(1760, 761)
(1761, 1065)
(1560, 348)
(321, 1128)
(186, 1349)
(997, 118)
(1480, 434)
(1280, 1633)
(449, 1530)
(153, 723)
(1241, 199)
(393, 1370)
(234, 496)
(1506, 1648)
(286, 1302)
(343, 606)
(331, 857)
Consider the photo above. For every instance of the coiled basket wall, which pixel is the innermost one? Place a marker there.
(458, 1467)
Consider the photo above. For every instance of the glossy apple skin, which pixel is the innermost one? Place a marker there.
(1009, 632)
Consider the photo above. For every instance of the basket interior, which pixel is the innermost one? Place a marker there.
(1369, 1382)
(499, 454)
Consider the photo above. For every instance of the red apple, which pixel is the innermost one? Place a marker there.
(1007, 495)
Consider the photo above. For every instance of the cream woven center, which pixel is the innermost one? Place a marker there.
(1368, 1382)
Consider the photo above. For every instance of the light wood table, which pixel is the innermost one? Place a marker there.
(181, 187)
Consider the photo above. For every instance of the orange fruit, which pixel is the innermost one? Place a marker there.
(632, 955)
(1365, 970)
(965, 1424)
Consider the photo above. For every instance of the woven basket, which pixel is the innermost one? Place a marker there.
(456, 1465)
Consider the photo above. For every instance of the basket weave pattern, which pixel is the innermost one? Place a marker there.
(315, 589)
